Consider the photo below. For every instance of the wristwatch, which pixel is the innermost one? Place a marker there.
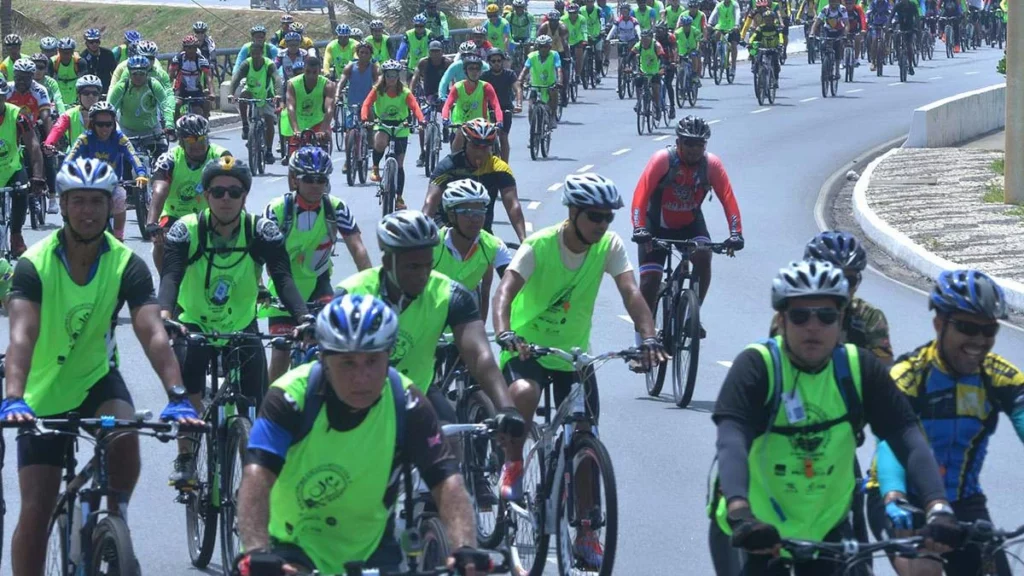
(177, 392)
(939, 508)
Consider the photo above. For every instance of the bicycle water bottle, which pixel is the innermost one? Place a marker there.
(75, 554)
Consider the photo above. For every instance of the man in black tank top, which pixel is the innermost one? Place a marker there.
(425, 82)
(506, 86)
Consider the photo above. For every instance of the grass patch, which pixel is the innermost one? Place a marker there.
(1017, 211)
(993, 193)
(998, 166)
(931, 243)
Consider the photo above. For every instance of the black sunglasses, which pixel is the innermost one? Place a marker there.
(103, 124)
(471, 212)
(235, 192)
(973, 328)
(800, 316)
(314, 179)
(693, 142)
(496, 60)
(89, 93)
(599, 217)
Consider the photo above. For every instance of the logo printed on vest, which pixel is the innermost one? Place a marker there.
(76, 319)
(811, 444)
(222, 286)
(402, 345)
(4, 148)
(321, 486)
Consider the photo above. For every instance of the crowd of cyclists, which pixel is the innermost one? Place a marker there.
(84, 128)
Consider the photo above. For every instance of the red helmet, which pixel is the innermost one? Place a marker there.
(762, 3)
(479, 131)
(189, 41)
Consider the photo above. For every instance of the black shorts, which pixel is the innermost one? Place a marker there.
(194, 362)
(506, 122)
(183, 94)
(322, 292)
(401, 145)
(387, 556)
(531, 369)
(49, 450)
(655, 257)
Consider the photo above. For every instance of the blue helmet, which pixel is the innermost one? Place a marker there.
(92, 34)
(343, 30)
(312, 160)
(132, 37)
(138, 63)
(970, 292)
(357, 323)
(840, 248)
(419, 20)
(293, 37)
(686, 21)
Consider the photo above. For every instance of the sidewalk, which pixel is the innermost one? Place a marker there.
(941, 208)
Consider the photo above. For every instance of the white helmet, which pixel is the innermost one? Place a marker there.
(809, 278)
(88, 81)
(465, 191)
(24, 65)
(406, 230)
(86, 174)
(590, 190)
(356, 323)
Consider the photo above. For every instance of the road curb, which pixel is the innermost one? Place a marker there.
(834, 183)
(222, 121)
(906, 250)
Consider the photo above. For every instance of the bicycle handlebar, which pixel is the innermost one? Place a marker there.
(73, 425)
(852, 551)
(356, 568)
(581, 360)
(690, 245)
(982, 531)
(16, 187)
(480, 428)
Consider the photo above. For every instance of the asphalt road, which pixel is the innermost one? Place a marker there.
(777, 158)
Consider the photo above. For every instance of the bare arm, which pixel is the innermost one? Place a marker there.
(342, 82)
(485, 292)
(292, 114)
(433, 199)
(510, 198)
(242, 72)
(635, 304)
(24, 326)
(354, 243)
(161, 189)
(330, 97)
(28, 139)
(456, 511)
(501, 308)
(149, 329)
(475, 350)
(254, 506)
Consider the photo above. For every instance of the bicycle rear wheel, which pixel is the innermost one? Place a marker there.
(142, 211)
(232, 455)
(535, 131)
(261, 162)
(339, 128)
(686, 326)
(656, 375)
(57, 561)
(112, 553)
(482, 460)
(200, 510)
(529, 547)
(592, 473)
(436, 547)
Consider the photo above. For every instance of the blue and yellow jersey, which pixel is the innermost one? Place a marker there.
(958, 415)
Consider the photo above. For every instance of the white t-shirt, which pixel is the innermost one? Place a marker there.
(617, 261)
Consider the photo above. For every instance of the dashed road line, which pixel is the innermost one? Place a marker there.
(725, 363)
(585, 168)
(533, 205)
(660, 138)
(621, 152)
(713, 122)
(896, 83)
(554, 187)
(972, 73)
(759, 110)
(625, 318)
(811, 99)
(529, 227)
(936, 78)
(854, 91)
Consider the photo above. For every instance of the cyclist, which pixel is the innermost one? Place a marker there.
(544, 68)
(310, 100)
(477, 161)
(768, 34)
(148, 50)
(306, 43)
(378, 41)
(510, 95)
(836, 22)
(226, 237)
(804, 384)
(471, 99)
(670, 59)
(142, 103)
(879, 16)
(68, 67)
(651, 58)
(547, 298)
(577, 39)
(391, 104)
(905, 19)
(177, 179)
(103, 141)
(35, 103)
(18, 129)
(206, 44)
(478, 36)
(192, 77)
(953, 11)
(700, 19)
(957, 386)
(725, 21)
(457, 71)
(555, 29)
(627, 30)
(688, 38)
(286, 26)
(359, 77)
(12, 48)
(340, 51)
(99, 61)
(48, 46)
(521, 25)
(667, 204)
(52, 87)
(258, 78)
(73, 121)
(437, 22)
(428, 302)
(365, 408)
(499, 31)
(66, 360)
(130, 47)
(858, 24)
(258, 43)
(415, 45)
(310, 220)
(596, 18)
(646, 15)
(292, 54)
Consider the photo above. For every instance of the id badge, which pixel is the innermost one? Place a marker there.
(794, 407)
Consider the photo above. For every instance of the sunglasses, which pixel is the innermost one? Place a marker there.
(89, 93)
(103, 124)
(391, 74)
(496, 61)
(800, 316)
(92, 41)
(235, 192)
(693, 142)
(599, 217)
(314, 179)
(973, 328)
(140, 73)
(474, 213)
(193, 140)
(41, 67)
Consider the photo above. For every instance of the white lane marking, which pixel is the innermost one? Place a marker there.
(532, 205)
(621, 152)
(554, 187)
(811, 99)
(759, 110)
(625, 318)
(585, 168)
(725, 363)
(972, 73)
(713, 122)
(660, 138)
(854, 91)
(529, 227)
(897, 83)
(936, 78)
(276, 179)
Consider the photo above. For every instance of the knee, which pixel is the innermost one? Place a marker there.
(522, 391)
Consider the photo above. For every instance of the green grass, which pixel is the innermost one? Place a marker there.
(1017, 211)
(998, 166)
(993, 194)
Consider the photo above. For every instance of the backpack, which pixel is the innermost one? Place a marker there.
(329, 214)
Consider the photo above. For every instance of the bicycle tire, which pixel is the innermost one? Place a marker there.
(142, 212)
(428, 140)
(545, 144)
(656, 375)
(252, 147)
(535, 120)
(621, 89)
(364, 162)
(772, 86)
(824, 78)
(640, 118)
(352, 162)
(759, 82)
(33, 210)
(880, 57)
(573, 89)
(236, 442)
(687, 329)
(595, 450)
(834, 82)
(112, 552)
(436, 547)
(525, 538)
(717, 72)
(57, 561)
(201, 512)
(261, 135)
(483, 455)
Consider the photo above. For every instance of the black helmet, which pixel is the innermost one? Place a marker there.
(693, 127)
(842, 249)
(227, 166)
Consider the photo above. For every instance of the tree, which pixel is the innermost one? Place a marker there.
(6, 27)
(331, 14)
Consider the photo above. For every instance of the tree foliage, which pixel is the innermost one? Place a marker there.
(397, 14)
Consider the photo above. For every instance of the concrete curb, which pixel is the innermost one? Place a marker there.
(903, 248)
(834, 183)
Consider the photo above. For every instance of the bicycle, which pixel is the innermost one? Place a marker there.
(723, 64)
(644, 115)
(571, 85)
(900, 44)
(357, 151)
(849, 60)
(84, 537)
(194, 105)
(680, 331)
(626, 65)
(686, 87)
(877, 37)
(541, 122)
(829, 67)
(148, 148)
(848, 555)
(947, 35)
(356, 569)
(6, 212)
(812, 45)
(558, 448)
(257, 134)
(431, 138)
(229, 415)
(1000, 28)
(591, 67)
(765, 81)
(387, 189)
(341, 122)
(707, 57)
(992, 541)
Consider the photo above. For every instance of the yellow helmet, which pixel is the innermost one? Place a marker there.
(507, 10)
(493, 9)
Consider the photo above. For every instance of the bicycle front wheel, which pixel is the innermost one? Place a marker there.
(483, 459)
(57, 561)
(232, 456)
(656, 375)
(200, 509)
(686, 325)
(436, 547)
(112, 553)
(530, 545)
(588, 519)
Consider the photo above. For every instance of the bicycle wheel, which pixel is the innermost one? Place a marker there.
(772, 86)
(573, 88)
(880, 58)
(435, 544)
(482, 460)
(824, 77)
(903, 66)
(352, 162)
(428, 140)
(948, 39)
(364, 161)
(730, 72)
(717, 73)
(587, 457)
(640, 117)
(339, 128)
(621, 89)
(834, 82)
(232, 455)
(530, 548)
(545, 143)
(535, 132)
(200, 510)
(261, 161)
(656, 375)
(33, 210)
(112, 553)
(760, 79)
(142, 211)
(686, 326)
(57, 561)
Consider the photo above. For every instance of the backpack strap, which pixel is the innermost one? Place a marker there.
(314, 401)
(289, 213)
(775, 382)
(331, 216)
(844, 378)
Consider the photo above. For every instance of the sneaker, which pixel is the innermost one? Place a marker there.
(17, 245)
(400, 203)
(671, 112)
(421, 160)
(512, 481)
(588, 551)
(52, 208)
(245, 132)
(344, 167)
(486, 499)
(268, 156)
(375, 174)
(184, 474)
(873, 67)
(911, 71)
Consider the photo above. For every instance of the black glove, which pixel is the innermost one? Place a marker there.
(735, 242)
(510, 421)
(941, 527)
(641, 235)
(651, 344)
(467, 555)
(259, 563)
(306, 325)
(508, 341)
(263, 294)
(750, 533)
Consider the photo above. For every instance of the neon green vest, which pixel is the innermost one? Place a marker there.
(649, 62)
(10, 156)
(672, 14)
(593, 18)
(380, 49)
(419, 48)
(468, 106)
(309, 106)
(556, 306)
(496, 32)
(227, 302)
(468, 272)
(75, 347)
(542, 73)
(66, 77)
(9, 69)
(389, 108)
(339, 56)
(810, 475)
(644, 17)
(419, 325)
(76, 125)
(256, 81)
(577, 30)
(185, 190)
(329, 496)
(308, 250)
(727, 16)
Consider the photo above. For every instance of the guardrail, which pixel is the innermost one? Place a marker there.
(959, 118)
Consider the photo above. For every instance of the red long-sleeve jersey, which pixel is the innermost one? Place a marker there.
(681, 197)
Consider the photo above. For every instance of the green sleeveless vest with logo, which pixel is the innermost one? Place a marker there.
(419, 48)
(309, 106)
(185, 190)
(419, 325)
(556, 306)
(75, 128)
(67, 77)
(468, 106)
(389, 108)
(308, 250)
(329, 497)
(75, 347)
(256, 81)
(10, 156)
(469, 272)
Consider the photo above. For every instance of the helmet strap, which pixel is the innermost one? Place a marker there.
(78, 238)
(392, 284)
(576, 228)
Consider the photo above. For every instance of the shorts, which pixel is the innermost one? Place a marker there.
(167, 221)
(36, 450)
(387, 556)
(506, 124)
(729, 560)
(194, 362)
(401, 145)
(734, 36)
(322, 292)
(183, 94)
(531, 369)
(655, 257)
(120, 200)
